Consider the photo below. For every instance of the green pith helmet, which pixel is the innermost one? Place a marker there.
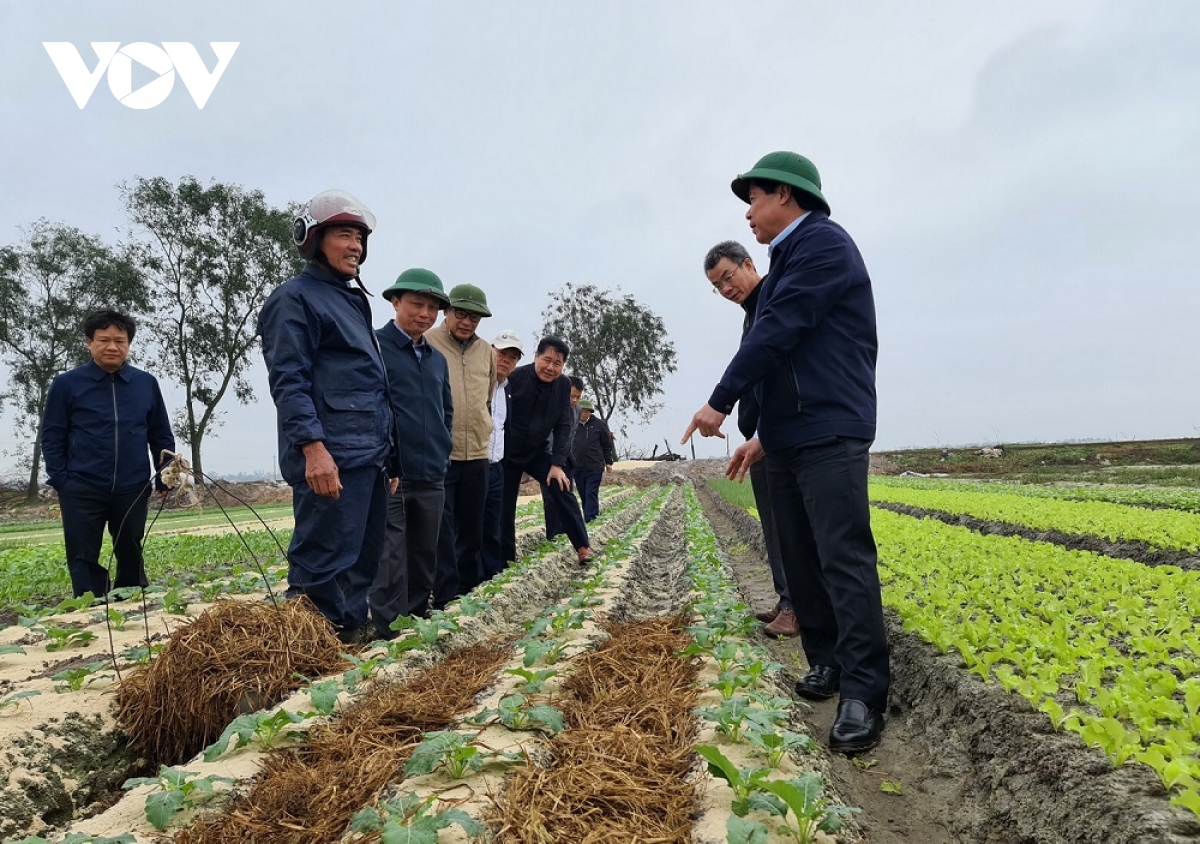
(418, 281)
(584, 404)
(468, 297)
(787, 167)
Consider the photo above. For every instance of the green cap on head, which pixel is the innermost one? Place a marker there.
(790, 168)
(584, 404)
(418, 281)
(468, 297)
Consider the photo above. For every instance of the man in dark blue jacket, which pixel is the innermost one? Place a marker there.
(419, 385)
(541, 406)
(335, 422)
(592, 455)
(810, 356)
(105, 424)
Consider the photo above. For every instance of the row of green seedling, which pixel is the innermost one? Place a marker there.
(1173, 530)
(36, 576)
(746, 712)
(1175, 498)
(521, 707)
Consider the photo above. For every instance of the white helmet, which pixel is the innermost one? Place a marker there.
(330, 208)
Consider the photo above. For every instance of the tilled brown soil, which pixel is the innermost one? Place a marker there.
(976, 764)
(1137, 551)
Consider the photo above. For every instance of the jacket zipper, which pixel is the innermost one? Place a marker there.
(112, 379)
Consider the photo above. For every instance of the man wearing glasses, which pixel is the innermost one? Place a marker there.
(733, 275)
(472, 383)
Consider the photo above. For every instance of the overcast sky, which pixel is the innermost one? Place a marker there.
(1021, 178)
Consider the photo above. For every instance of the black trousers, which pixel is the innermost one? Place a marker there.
(404, 583)
(819, 500)
(562, 501)
(762, 500)
(86, 511)
(458, 568)
(491, 555)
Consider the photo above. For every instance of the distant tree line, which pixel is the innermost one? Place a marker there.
(194, 268)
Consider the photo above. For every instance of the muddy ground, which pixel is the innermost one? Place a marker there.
(976, 764)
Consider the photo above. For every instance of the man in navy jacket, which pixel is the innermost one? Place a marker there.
(419, 385)
(809, 357)
(105, 422)
(335, 422)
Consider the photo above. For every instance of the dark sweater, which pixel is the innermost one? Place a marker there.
(812, 347)
(538, 410)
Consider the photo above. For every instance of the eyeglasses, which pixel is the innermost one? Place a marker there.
(726, 280)
(459, 313)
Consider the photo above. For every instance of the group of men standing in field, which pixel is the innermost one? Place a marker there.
(406, 446)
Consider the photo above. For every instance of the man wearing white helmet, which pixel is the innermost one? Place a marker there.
(330, 390)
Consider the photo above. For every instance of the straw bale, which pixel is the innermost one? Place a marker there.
(620, 773)
(307, 795)
(234, 658)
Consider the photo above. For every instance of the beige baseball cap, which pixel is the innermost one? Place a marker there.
(508, 339)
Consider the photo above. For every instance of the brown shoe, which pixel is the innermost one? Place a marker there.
(767, 616)
(784, 625)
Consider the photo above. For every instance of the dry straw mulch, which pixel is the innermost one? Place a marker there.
(307, 795)
(619, 773)
(236, 657)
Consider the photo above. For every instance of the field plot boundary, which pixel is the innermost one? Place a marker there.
(1015, 779)
(1138, 552)
(1173, 530)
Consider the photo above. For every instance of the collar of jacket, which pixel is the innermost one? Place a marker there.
(750, 301)
(792, 239)
(323, 273)
(98, 372)
(403, 339)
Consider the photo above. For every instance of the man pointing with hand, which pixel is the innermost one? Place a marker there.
(809, 358)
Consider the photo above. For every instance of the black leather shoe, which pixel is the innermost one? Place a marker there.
(857, 728)
(820, 683)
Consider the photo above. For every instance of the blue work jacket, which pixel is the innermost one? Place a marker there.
(326, 373)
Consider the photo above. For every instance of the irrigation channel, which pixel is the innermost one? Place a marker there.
(564, 703)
